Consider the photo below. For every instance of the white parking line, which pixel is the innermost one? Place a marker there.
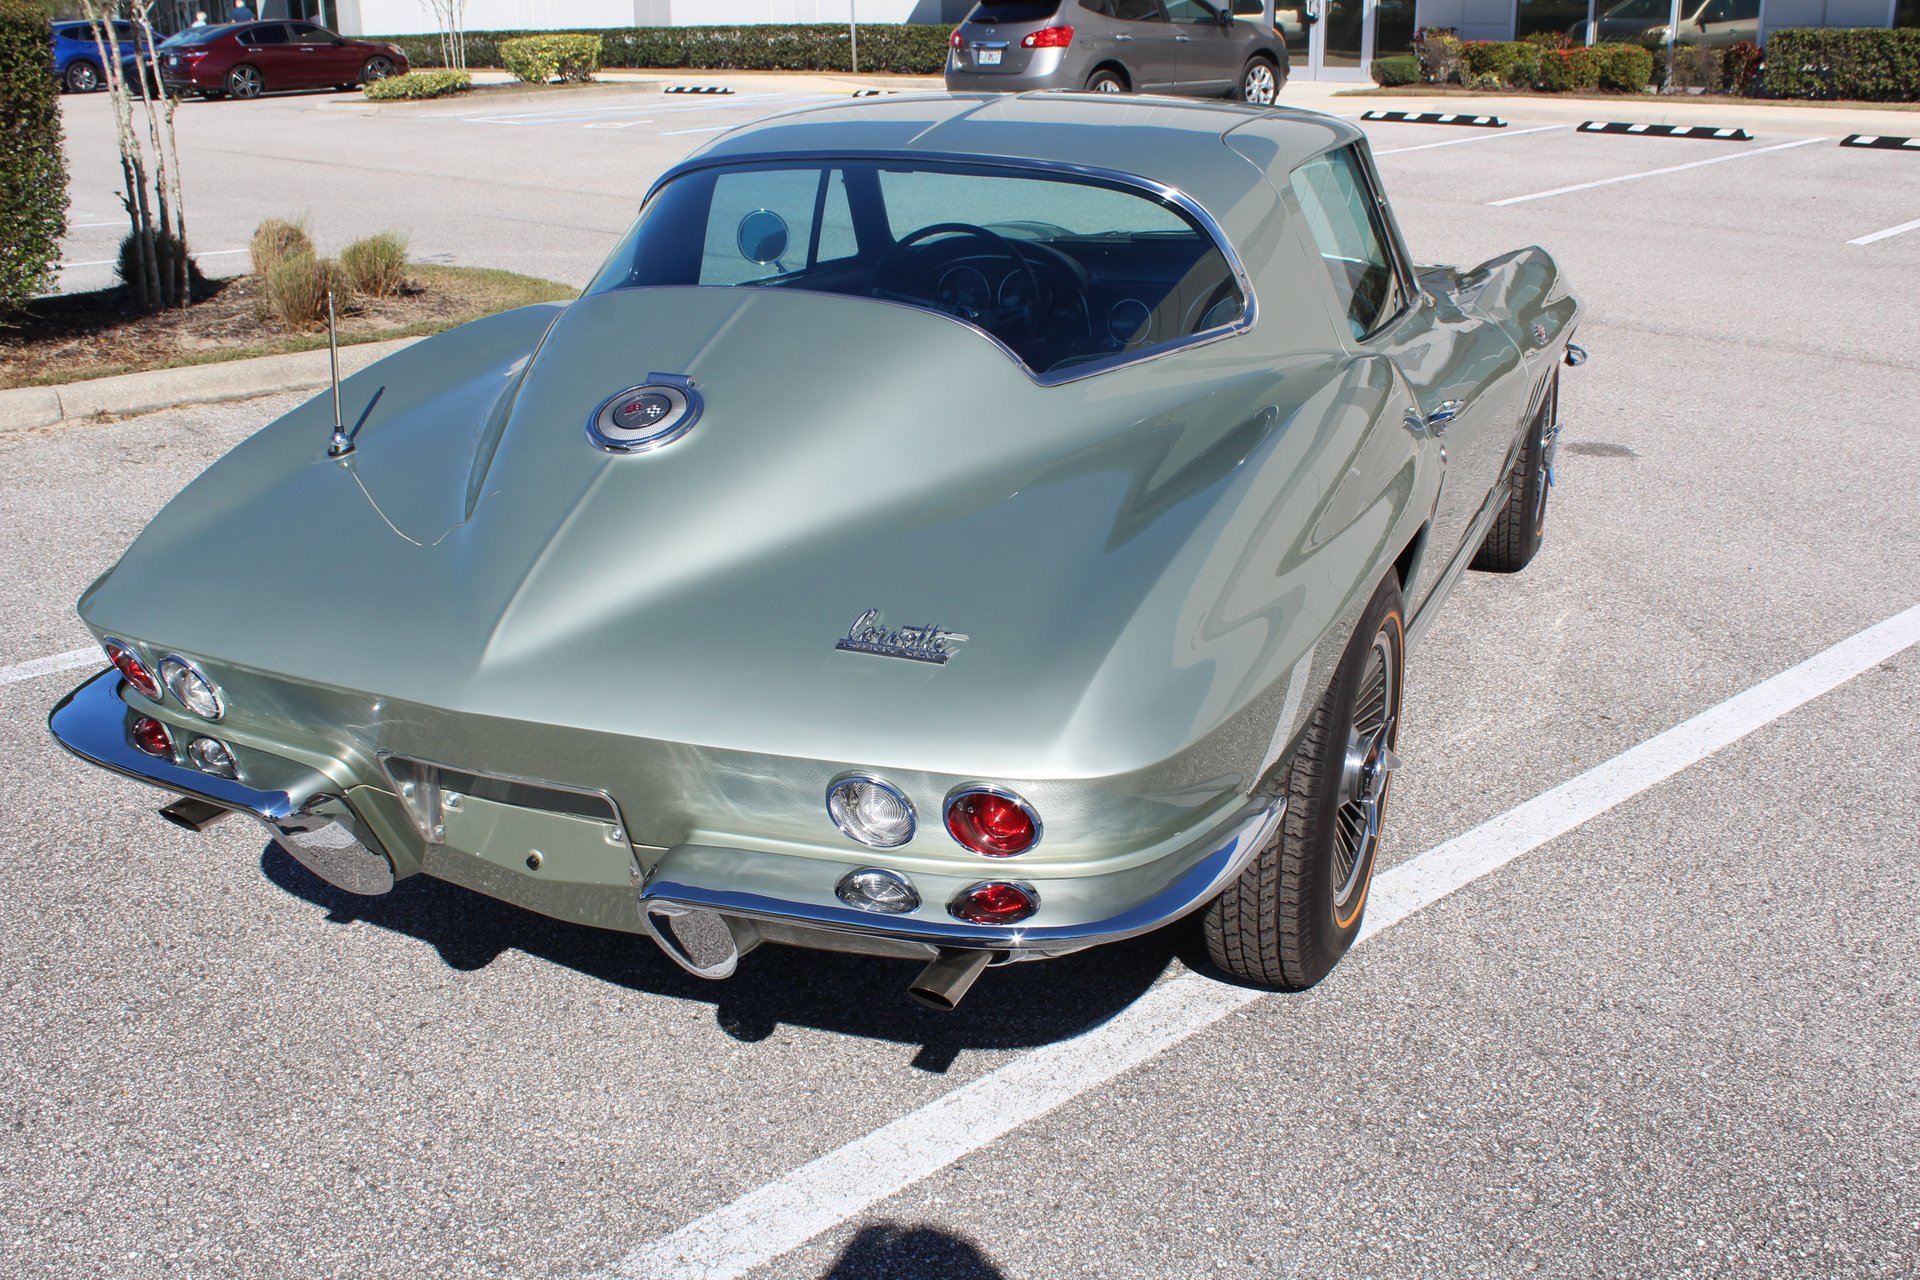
(1461, 142)
(580, 115)
(712, 128)
(792, 1209)
(21, 671)
(1890, 231)
(1654, 173)
(108, 262)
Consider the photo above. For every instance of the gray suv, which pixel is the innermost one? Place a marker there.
(1117, 46)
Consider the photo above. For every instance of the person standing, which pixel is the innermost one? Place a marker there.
(241, 13)
(200, 18)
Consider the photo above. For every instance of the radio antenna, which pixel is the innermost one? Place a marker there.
(341, 444)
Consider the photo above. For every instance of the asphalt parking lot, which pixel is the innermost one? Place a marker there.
(1629, 1009)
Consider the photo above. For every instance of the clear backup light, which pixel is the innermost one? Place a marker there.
(871, 889)
(871, 811)
(993, 822)
(128, 664)
(195, 692)
(995, 902)
(210, 755)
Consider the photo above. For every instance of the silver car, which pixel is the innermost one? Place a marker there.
(1117, 46)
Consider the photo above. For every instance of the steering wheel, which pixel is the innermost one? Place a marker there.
(987, 317)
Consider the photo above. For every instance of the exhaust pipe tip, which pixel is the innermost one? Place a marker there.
(193, 813)
(944, 983)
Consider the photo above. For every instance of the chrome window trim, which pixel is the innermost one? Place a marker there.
(1019, 166)
(982, 788)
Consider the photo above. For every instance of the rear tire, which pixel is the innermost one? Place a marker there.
(1106, 80)
(1259, 82)
(1521, 526)
(1298, 906)
(245, 81)
(82, 76)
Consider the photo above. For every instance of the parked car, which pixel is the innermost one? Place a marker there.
(954, 528)
(76, 54)
(1116, 46)
(244, 60)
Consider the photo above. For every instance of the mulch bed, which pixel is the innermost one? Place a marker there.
(88, 335)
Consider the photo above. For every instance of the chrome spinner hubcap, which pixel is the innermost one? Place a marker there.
(1370, 762)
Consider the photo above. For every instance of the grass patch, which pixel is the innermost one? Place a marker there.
(74, 337)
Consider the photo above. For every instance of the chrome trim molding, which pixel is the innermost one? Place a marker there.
(1113, 178)
(1199, 885)
(981, 788)
(91, 722)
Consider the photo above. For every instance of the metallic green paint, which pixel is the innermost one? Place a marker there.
(1153, 563)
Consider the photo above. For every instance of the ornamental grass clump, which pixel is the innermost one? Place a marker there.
(277, 239)
(294, 290)
(377, 265)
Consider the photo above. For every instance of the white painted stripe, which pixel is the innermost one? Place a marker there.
(1890, 231)
(1461, 142)
(1654, 173)
(1866, 139)
(20, 671)
(712, 128)
(616, 124)
(574, 114)
(82, 226)
(819, 1195)
(108, 262)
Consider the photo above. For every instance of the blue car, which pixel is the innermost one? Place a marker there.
(76, 55)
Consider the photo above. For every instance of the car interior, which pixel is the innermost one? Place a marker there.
(1062, 270)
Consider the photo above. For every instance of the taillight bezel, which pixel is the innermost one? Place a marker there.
(960, 794)
(152, 690)
(1021, 887)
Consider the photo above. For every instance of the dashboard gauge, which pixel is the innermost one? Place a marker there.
(964, 289)
(1129, 321)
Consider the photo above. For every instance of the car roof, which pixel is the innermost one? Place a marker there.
(1178, 142)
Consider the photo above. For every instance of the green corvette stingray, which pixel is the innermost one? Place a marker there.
(954, 527)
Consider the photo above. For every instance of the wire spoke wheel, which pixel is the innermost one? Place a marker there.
(1365, 773)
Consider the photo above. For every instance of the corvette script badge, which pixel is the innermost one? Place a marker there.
(870, 634)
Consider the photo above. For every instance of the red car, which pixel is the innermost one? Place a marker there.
(247, 59)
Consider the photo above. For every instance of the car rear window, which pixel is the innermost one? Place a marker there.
(1068, 271)
(1038, 11)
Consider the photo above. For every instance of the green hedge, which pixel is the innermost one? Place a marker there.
(901, 48)
(538, 59)
(1401, 68)
(419, 84)
(33, 169)
(1624, 67)
(1860, 65)
(1525, 64)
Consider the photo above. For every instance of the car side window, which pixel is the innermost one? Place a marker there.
(307, 33)
(1345, 224)
(1139, 11)
(270, 33)
(1191, 12)
(1102, 7)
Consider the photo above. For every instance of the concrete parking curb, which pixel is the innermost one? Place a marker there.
(32, 408)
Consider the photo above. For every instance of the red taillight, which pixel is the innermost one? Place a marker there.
(991, 822)
(954, 41)
(1047, 38)
(995, 902)
(152, 737)
(132, 668)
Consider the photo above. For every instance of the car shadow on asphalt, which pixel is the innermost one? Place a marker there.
(1017, 1007)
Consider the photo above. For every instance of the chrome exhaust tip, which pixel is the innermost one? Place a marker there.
(704, 943)
(944, 983)
(193, 814)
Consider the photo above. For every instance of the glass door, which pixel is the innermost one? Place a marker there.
(1339, 38)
